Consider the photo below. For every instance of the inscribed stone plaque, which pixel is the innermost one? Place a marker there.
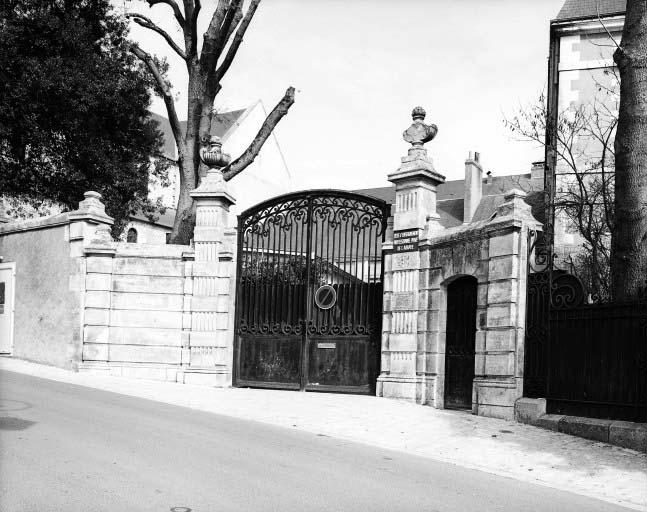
(406, 260)
(402, 301)
(405, 240)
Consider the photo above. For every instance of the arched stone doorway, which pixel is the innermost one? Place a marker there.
(460, 342)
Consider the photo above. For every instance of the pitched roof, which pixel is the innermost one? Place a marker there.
(220, 124)
(574, 9)
(455, 189)
(450, 197)
(165, 219)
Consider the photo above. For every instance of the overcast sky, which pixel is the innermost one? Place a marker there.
(360, 66)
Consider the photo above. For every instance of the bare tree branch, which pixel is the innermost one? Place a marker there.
(176, 9)
(164, 90)
(238, 39)
(209, 55)
(238, 15)
(233, 15)
(268, 126)
(146, 22)
(192, 10)
(597, 6)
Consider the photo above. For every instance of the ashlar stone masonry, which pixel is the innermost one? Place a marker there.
(494, 252)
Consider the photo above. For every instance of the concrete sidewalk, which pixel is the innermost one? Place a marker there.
(523, 452)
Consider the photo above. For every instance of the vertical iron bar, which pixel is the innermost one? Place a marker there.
(329, 266)
(351, 317)
(318, 266)
(239, 266)
(362, 300)
(275, 269)
(304, 345)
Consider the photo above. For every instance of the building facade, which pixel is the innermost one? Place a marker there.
(582, 106)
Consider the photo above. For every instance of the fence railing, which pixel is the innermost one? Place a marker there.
(585, 359)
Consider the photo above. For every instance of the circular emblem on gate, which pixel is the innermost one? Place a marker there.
(325, 297)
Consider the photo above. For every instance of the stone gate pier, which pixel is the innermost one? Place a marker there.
(454, 298)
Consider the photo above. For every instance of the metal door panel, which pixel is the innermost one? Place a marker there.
(310, 272)
(460, 342)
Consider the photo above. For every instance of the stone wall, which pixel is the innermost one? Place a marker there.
(165, 311)
(147, 232)
(48, 253)
(136, 315)
(423, 263)
(46, 301)
(415, 310)
(160, 312)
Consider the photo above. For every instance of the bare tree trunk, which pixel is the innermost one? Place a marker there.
(206, 69)
(189, 163)
(185, 216)
(629, 238)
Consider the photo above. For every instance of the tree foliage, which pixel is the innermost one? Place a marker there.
(74, 108)
(206, 67)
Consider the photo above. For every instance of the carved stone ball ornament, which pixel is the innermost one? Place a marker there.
(213, 156)
(419, 133)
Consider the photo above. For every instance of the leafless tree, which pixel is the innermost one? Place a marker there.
(584, 197)
(206, 69)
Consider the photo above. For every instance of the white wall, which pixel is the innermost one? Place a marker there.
(147, 233)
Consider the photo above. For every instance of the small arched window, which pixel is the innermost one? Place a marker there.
(131, 237)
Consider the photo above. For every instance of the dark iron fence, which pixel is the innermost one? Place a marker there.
(585, 358)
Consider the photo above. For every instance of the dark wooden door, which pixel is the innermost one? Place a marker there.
(460, 343)
(309, 296)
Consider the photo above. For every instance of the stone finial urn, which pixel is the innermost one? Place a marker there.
(419, 133)
(213, 184)
(213, 156)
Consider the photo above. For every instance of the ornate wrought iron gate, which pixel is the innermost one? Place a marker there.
(309, 296)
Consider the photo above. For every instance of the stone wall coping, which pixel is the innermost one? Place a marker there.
(496, 382)
(127, 250)
(90, 213)
(50, 221)
(421, 169)
(106, 249)
(476, 231)
(90, 216)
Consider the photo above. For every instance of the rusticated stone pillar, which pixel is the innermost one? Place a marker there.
(210, 351)
(92, 250)
(415, 217)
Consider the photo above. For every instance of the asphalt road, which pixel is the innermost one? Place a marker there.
(71, 448)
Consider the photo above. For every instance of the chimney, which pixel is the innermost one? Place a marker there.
(473, 186)
(537, 175)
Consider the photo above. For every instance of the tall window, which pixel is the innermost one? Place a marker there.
(131, 237)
